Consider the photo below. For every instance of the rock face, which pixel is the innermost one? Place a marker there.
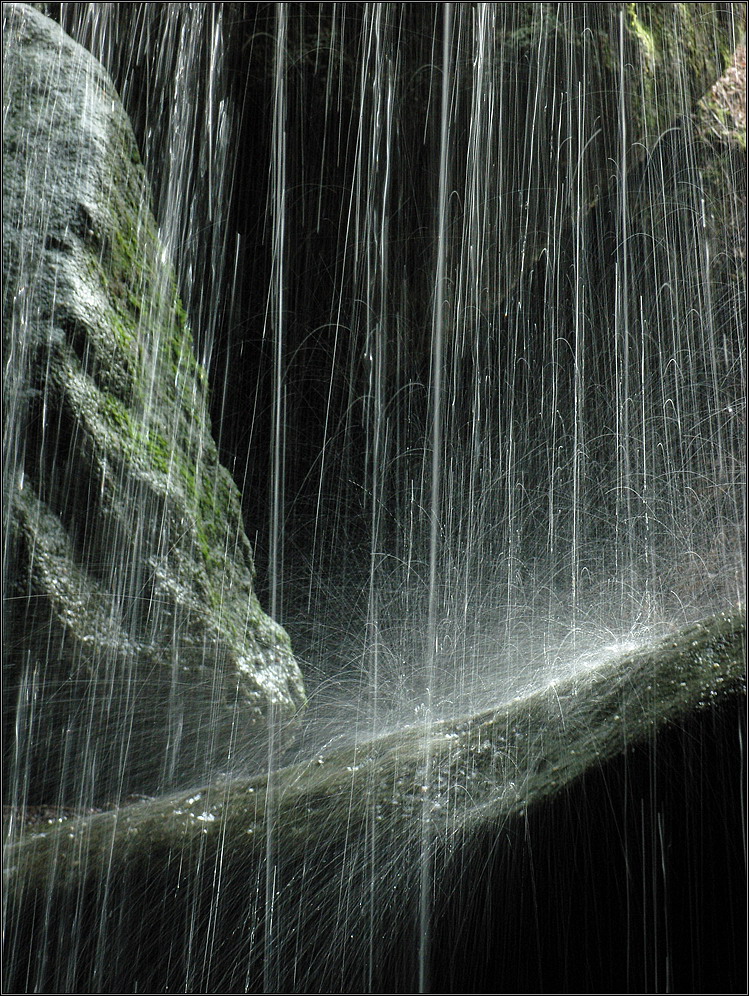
(638, 68)
(137, 653)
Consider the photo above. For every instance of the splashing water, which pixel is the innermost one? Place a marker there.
(467, 281)
(509, 401)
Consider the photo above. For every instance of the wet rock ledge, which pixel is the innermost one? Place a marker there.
(350, 835)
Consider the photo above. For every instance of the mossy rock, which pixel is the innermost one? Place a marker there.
(134, 634)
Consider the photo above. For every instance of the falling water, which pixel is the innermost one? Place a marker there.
(525, 419)
(472, 361)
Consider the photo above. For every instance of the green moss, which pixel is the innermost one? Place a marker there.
(163, 428)
(208, 490)
(137, 442)
(677, 50)
(116, 413)
(643, 34)
(124, 331)
(148, 322)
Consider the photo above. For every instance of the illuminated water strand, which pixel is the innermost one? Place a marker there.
(276, 317)
(425, 881)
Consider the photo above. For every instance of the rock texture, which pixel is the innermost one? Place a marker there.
(137, 653)
(350, 831)
(625, 73)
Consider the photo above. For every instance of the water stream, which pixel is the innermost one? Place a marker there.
(473, 360)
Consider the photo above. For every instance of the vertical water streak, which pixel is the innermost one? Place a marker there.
(438, 319)
(577, 194)
(276, 325)
(621, 336)
(374, 175)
